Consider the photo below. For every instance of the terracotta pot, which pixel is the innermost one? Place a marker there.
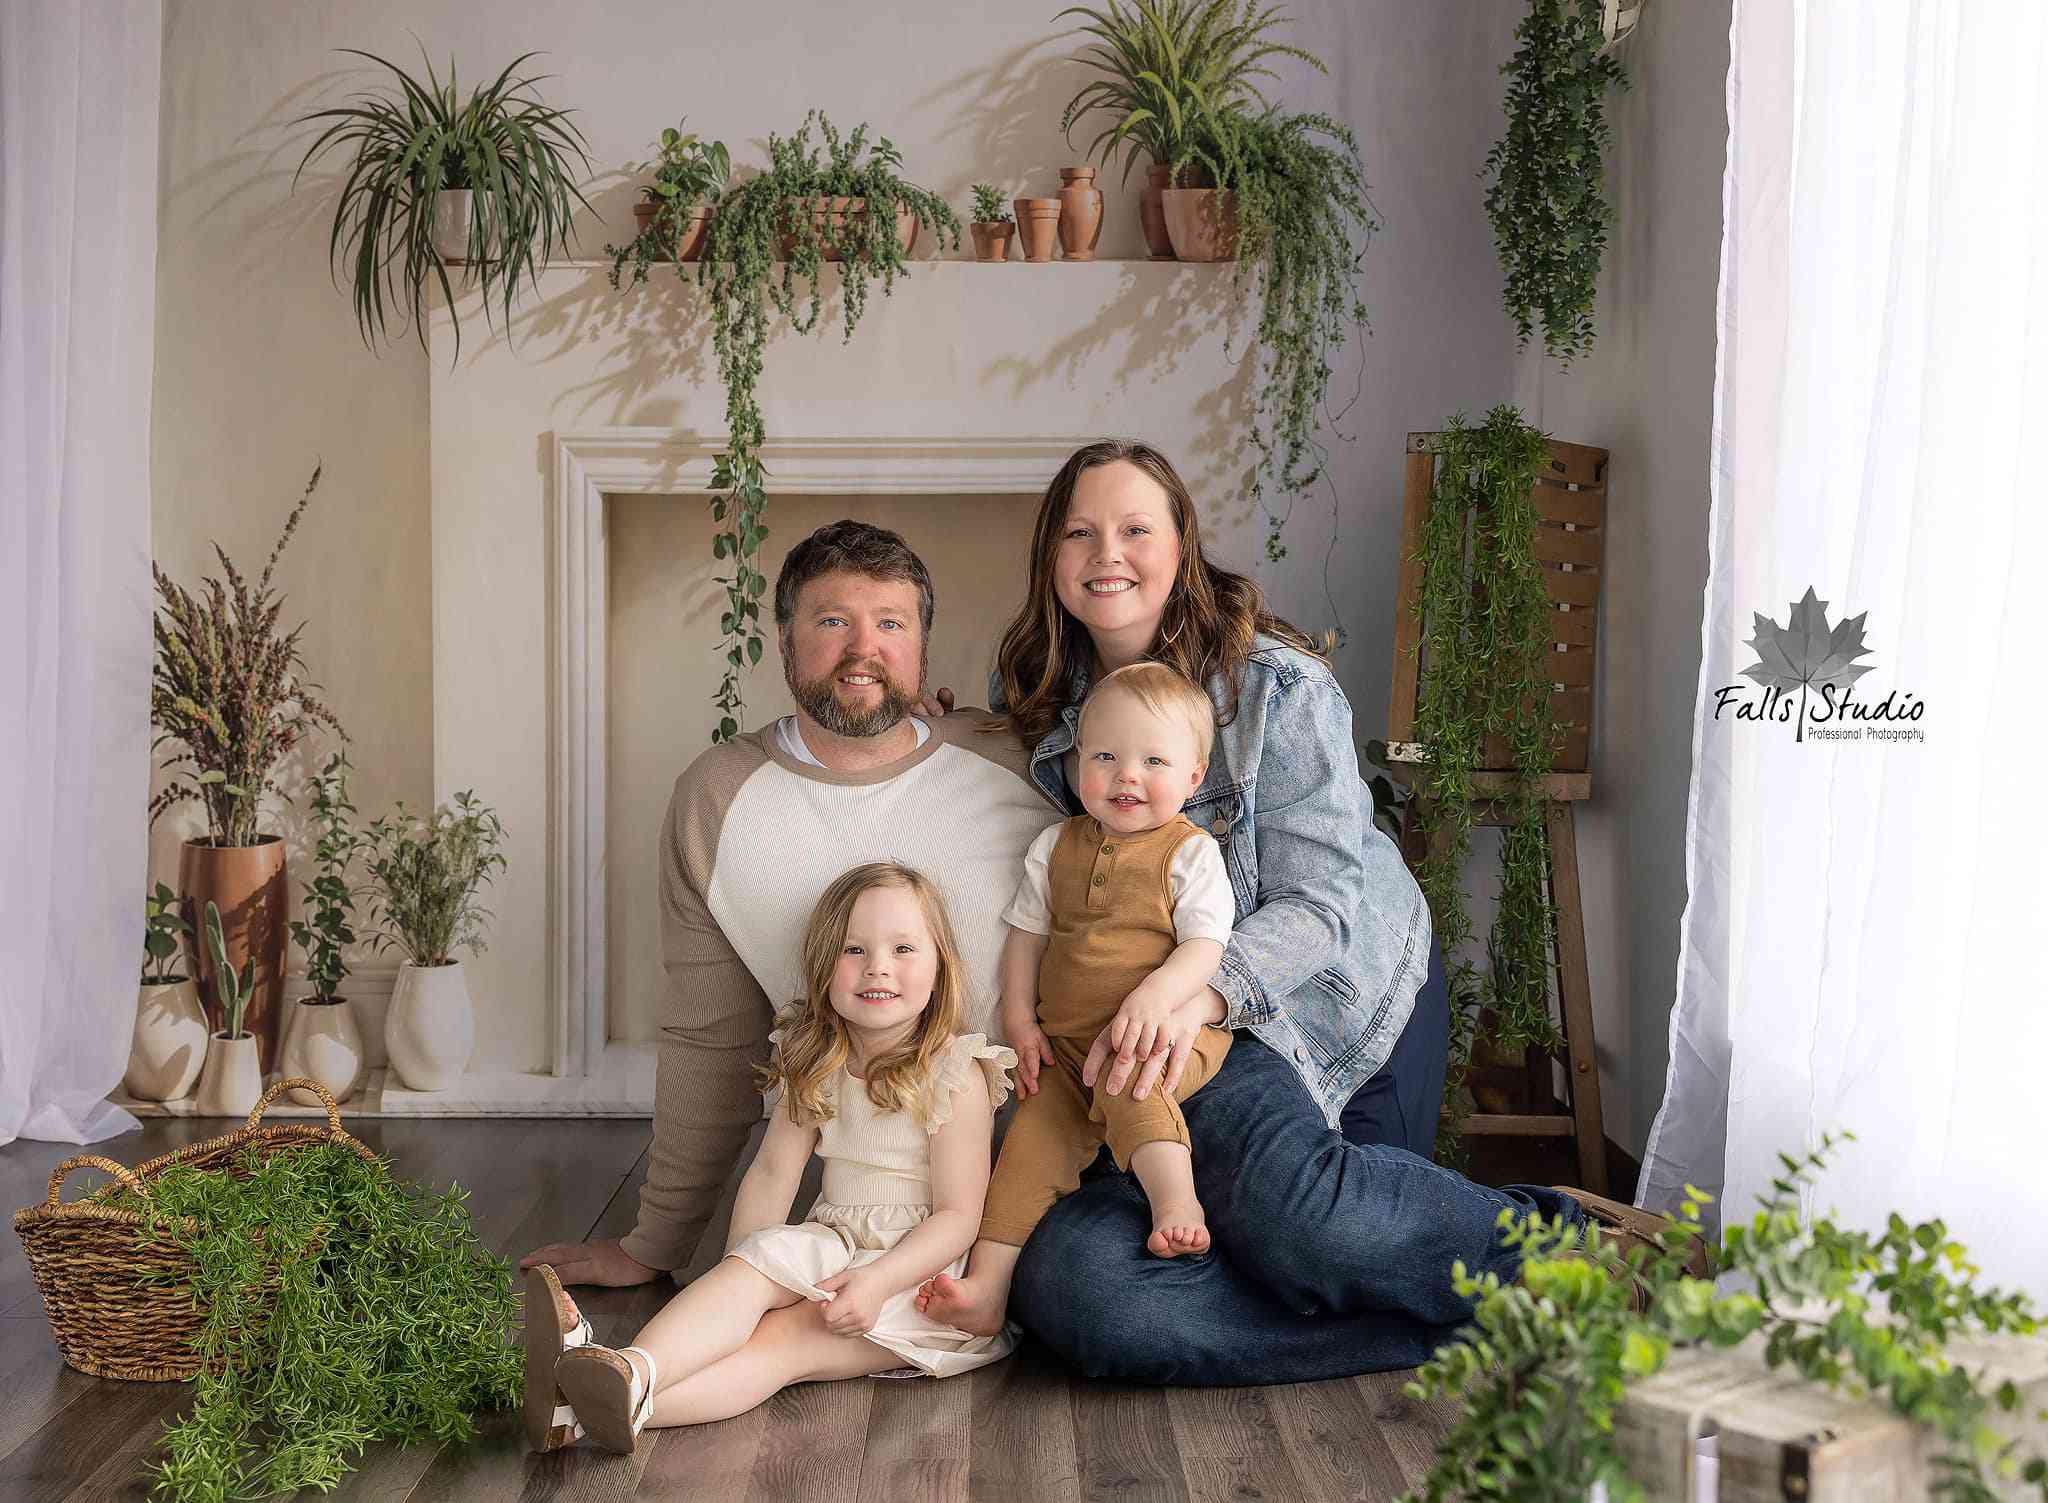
(1152, 213)
(1038, 226)
(429, 1031)
(247, 883)
(232, 1082)
(835, 212)
(323, 1044)
(689, 244)
(1080, 213)
(169, 1046)
(992, 239)
(1202, 223)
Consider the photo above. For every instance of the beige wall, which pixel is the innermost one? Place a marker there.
(1646, 393)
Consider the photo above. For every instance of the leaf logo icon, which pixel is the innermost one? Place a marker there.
(1806, 653)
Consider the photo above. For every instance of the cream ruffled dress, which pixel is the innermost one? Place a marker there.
(878, 1185)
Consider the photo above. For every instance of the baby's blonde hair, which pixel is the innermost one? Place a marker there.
(815, 1042)
(1167, 693)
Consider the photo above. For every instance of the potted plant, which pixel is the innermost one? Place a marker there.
(428, 876)
(1545, 201)
(841, 200)
(434, 180)
(232, 1079)
(229, 690)
(674, 212)
(992, 226)
(1289, 201)
(323, 1042)
(1160, 59)
(169, 1045)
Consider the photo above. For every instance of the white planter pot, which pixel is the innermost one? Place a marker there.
(429, 1032)
(169, 1047)
(323, 1043)
(232, 1082)
(451, 226)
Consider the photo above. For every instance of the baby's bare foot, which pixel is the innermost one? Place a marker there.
(970, 1305)
(1179, 1231)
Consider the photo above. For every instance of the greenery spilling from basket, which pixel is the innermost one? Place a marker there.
(1542, 1371)
(229, 690)
(343, 1306)
(1546, 199)
(1485, 627)
(768, 219)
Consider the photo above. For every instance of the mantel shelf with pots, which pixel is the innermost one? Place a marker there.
(919, 263)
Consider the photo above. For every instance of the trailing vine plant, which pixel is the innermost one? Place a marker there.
(764, 220)
(1541, 1372)
(1485, 627)
(1304, 214)
(1546, 200)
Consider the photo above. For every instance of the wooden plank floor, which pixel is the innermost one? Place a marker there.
(1020, 1429)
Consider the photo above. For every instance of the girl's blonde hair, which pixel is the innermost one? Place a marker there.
(815, 1041)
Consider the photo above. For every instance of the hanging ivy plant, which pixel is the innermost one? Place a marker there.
(1546, 200)
(1303, 216)
(766, 220)
(1485, 631)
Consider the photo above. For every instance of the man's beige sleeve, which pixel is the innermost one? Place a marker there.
(715, 1028)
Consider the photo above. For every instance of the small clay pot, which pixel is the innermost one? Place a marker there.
(1152, 213)
(992, 239)
(1038, 226)
(689, 244)
(1080, 213)
(1202, 223)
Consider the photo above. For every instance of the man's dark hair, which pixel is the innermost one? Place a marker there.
(857, 548)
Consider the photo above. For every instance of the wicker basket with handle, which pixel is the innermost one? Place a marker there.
(90, 1259)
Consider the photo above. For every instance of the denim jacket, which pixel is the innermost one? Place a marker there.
(1332, 935)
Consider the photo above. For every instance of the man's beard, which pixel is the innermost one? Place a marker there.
(819, 699)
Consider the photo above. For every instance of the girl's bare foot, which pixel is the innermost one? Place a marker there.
(971, 1305)
(1179, 1231)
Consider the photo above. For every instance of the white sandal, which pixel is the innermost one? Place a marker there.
(608, 1400)
(550, 1423)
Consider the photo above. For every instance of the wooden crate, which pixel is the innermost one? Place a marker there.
(1781, 1439)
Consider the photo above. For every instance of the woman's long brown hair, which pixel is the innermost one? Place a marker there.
(1211, 618)
(814, 1042)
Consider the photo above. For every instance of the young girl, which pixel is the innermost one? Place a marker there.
(868, 1072)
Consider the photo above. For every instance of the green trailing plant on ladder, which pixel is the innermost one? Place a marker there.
(1485, 628)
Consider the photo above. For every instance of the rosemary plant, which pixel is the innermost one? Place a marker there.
(329, 900)
(1485, 624)
(1546, 201)
(343, 1306)
(230, 690)
(429, 875)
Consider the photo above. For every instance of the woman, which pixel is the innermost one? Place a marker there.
(1335, 1256)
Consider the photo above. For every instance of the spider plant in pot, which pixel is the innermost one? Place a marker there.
(323, 1041)
(674, 212)
(169, 1044)
(434, 180)
(233, 1078)
(1159, 60)
(991, 226)
(229, 691)
(427, 876)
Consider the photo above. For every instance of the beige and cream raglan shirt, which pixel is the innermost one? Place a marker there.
(753, 836)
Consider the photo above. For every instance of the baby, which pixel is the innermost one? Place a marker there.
(1120, 920)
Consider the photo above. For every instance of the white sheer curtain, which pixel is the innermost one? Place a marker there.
(1862, 945)
(78, 173)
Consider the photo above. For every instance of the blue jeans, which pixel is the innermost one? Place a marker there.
(1330, 1258)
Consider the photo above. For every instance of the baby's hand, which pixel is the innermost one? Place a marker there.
(1034, 1051)
(1146, 1014)
(856, 1303)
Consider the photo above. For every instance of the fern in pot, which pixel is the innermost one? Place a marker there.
(428, 875)
(232, 1081)
(434, 180)
(323, 1041)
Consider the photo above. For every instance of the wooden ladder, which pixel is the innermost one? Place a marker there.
(1570, 496)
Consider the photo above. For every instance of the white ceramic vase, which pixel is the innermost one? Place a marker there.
(232, 1082)
(452, 208)
(322, 1043)
(428, 1032)
(169, 1047)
